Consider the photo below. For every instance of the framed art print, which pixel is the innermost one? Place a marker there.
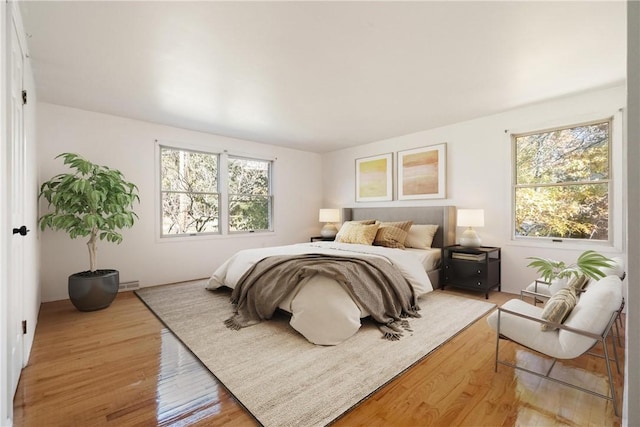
(422, 173)
(374, 178)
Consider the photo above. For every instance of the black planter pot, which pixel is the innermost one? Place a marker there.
(91, 291)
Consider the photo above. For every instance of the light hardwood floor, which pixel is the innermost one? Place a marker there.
(121, 367)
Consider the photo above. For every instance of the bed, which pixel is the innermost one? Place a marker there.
(322, 309)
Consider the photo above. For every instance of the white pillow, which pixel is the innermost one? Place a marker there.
(421, 236)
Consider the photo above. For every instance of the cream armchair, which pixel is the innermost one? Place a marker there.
(540, 291)
(588, 323)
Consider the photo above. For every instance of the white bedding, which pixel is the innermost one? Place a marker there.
(321, 309)
(430, 258)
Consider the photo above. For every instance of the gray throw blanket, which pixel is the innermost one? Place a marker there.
(375, 284)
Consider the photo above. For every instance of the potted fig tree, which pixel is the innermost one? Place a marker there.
(93, 201)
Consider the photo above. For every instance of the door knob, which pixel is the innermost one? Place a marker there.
(21, 231)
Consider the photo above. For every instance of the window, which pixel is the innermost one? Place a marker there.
(250, 198)
(195, 200)
(190, 195)
(562, 182)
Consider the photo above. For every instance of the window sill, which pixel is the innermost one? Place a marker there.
(605, 247)
(234, 235)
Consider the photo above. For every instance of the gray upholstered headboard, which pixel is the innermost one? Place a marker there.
(444, 216)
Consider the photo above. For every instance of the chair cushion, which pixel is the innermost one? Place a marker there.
(593, 311)
(544, 289)
(539, 288)
(527, 332)
(558, 307)
(617, 269)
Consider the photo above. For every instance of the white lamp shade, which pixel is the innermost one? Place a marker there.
(471, 217)
(329, 215)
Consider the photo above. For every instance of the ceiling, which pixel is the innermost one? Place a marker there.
(319, 76)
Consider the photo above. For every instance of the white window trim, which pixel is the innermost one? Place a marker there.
(222, 180)
(617, 170)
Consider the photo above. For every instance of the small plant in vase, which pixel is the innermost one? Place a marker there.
(93, 201)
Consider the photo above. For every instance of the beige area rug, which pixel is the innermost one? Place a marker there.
(284, 380)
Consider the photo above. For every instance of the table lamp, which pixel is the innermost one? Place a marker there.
(329, 217)
(470, 218)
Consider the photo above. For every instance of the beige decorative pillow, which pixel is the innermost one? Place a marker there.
(558, 307)
(366, 221)
(353, 232)
(578, 282)
(346, 226)
(392, 234)
(421, 236)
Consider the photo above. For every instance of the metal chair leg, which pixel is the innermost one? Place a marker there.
(618, 320)
(495, 368)
(611, 384)
(615, 352)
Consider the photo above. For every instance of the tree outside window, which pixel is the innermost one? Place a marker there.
(193, 203)
(190, 197)
(562, 182)
(250, 199)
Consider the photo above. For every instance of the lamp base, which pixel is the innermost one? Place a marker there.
(470, 239)
(329, 230)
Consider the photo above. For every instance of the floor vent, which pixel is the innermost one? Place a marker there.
(129, 286)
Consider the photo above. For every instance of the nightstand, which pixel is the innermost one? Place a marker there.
(322, 239)
(476, 269)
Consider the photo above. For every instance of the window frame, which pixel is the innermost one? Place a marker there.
(270, 197)
(161, 191)
(223, 191)
(614, 182)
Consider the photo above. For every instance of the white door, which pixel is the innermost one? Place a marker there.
(16, 175)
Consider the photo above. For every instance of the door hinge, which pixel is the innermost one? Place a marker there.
(24, 327)
(24, 97)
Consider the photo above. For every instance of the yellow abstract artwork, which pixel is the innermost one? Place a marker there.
(374, 178)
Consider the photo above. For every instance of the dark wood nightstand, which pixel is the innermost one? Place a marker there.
(476, 269)
(322, 239)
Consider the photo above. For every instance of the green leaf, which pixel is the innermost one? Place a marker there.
(589, 263)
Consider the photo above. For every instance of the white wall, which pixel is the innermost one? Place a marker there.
(128, 145)
(479, 173)
(631, 414)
